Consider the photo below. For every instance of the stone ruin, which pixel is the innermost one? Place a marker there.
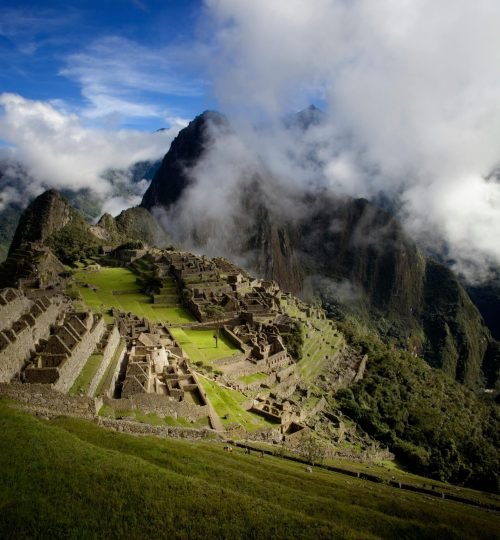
(34, 266)
(154, 368)
(24, 322)
(130, 326)
(217, 283)
(59, 359)
(262, 345)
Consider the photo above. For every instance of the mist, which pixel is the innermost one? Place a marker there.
(411, 99)
(50, 147)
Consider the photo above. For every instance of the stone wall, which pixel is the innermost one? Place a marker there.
(107, 355)
(38, 323)
(12, 305)
(361, 369)
(160, 405)
(42, 399)
(235, 340)
(139, 428)
(70, 369)
(228, 360)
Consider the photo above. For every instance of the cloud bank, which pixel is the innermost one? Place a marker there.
(57, 150)
(412, 93)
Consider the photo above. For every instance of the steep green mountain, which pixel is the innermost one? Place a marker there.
(52, 221)
(434, 425)
(348, 253)
(132, 224)
(486, 296)
(16, 191)
(48, 214)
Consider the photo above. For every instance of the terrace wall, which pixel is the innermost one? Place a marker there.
(42, 399)
(107, 355)
(23, 343)
(139, 428)
(160, 405)
(70, 369)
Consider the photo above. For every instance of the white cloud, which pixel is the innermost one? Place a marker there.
(412, 90)
(120, 76)
(58, 151)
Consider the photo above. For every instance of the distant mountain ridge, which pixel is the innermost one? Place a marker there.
(325, 242)
(16, 191)
(52, 221)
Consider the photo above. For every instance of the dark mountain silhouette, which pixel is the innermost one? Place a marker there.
(320, 245)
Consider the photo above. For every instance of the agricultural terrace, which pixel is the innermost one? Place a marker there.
(118, 288)
(152, 418)
(107, 378)
(200, 345)
(228, 404)
(84, 379)
(321, 342)
(253, 378)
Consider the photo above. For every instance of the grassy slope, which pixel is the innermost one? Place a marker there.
(227, 402)
(321, 342)
(121, 279)
(82, 383)
(71, 479)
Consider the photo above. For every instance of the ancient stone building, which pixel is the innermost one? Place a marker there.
(24, 323)
(33, 266)
(59, 359)
(154, 368)
(262, 344)
(130, 325)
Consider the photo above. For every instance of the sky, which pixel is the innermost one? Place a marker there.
(410, 88)
(116, 63)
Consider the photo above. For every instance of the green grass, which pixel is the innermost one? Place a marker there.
(200, 344)
(71, 479)
(321, 344)
(152, 418)
(227, 402)
(108, 280)
(255, 377)
(82, 382)
(105, 382)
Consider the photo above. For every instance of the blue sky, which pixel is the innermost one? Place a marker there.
(121, 63)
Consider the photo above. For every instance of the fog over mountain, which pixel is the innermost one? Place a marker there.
(53, 148)
(410, 91)
(410, 97)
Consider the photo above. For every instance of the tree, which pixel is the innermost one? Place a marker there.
(311, 448)
(216, 313)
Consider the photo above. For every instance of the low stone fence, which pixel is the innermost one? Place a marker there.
(42, 399)
(138, 428)
(160, 405)
(227, 360)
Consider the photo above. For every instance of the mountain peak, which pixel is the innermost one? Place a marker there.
(46, 214)
(171, 179)
(305, 118)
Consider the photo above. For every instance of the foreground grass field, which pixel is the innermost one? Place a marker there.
(71, 479)
(130, 298)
